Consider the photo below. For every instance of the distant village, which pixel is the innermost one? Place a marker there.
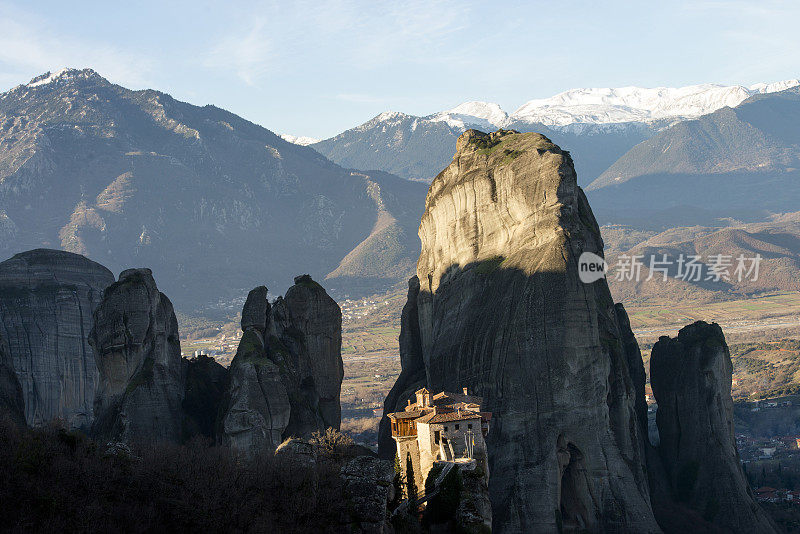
(357, 308)
(222, 348)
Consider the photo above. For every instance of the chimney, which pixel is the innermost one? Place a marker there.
(465, 391)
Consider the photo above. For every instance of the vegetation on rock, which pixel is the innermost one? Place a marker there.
(55, 480)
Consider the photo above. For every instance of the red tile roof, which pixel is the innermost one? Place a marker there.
(405, 415)
(426, 418)
(454, 416)
(447, 397)
(446, 407)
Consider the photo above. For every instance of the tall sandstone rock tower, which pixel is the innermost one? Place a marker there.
(141, 389)
(47, 298)
(497, 306)
(287, 374)
(691, 379)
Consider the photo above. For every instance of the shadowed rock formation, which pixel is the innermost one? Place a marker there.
(47, 298)
(367, 489)
(316, 354)
(12, 403)
(691, 379)
(257, 408)
(206, 383)
(287, 373)
(501, 310)
(135, 337)
(633, 357)
(412, 369)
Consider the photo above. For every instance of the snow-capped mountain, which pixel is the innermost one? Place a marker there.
(136, 177)
(472, 114)
(62, 76)
(597, 125)
(735, 163)
(610, 105)
(49, 77)
(302, 140)
(637, 104)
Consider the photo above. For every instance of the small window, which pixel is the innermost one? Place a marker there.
(456, 427)
(445, 429)
(436, 436)
(469, 426)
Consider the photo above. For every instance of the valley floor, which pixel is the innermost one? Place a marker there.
(371, 326)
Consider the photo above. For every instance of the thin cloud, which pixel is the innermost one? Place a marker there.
(412, 32)
(273, 38)
(29, 47)
(247, 55)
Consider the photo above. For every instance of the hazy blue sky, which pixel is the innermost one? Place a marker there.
(316, 68)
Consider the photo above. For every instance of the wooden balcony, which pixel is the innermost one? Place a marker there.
(403, 428)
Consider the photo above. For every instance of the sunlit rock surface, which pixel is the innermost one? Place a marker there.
(501, 310)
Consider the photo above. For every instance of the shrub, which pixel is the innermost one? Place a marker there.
(331, 441)
(55, 480)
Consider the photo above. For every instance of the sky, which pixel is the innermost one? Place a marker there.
(317, 68)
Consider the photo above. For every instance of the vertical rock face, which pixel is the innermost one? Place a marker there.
(633, 359)
(257, 408)
(47, 298)
(367, 489)
(318, 360)
(12, 403)
(206, 383)
(287, 374)
(501, 310)
(691, 379)
(412, 374)
(474, 512)
(135, 337)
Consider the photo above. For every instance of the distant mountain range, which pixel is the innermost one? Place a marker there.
(735, 162)
(137, 178)
(596, 125)
(214, 204)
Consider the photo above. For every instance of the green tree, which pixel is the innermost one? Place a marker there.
(411, 485)
(398, 481)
